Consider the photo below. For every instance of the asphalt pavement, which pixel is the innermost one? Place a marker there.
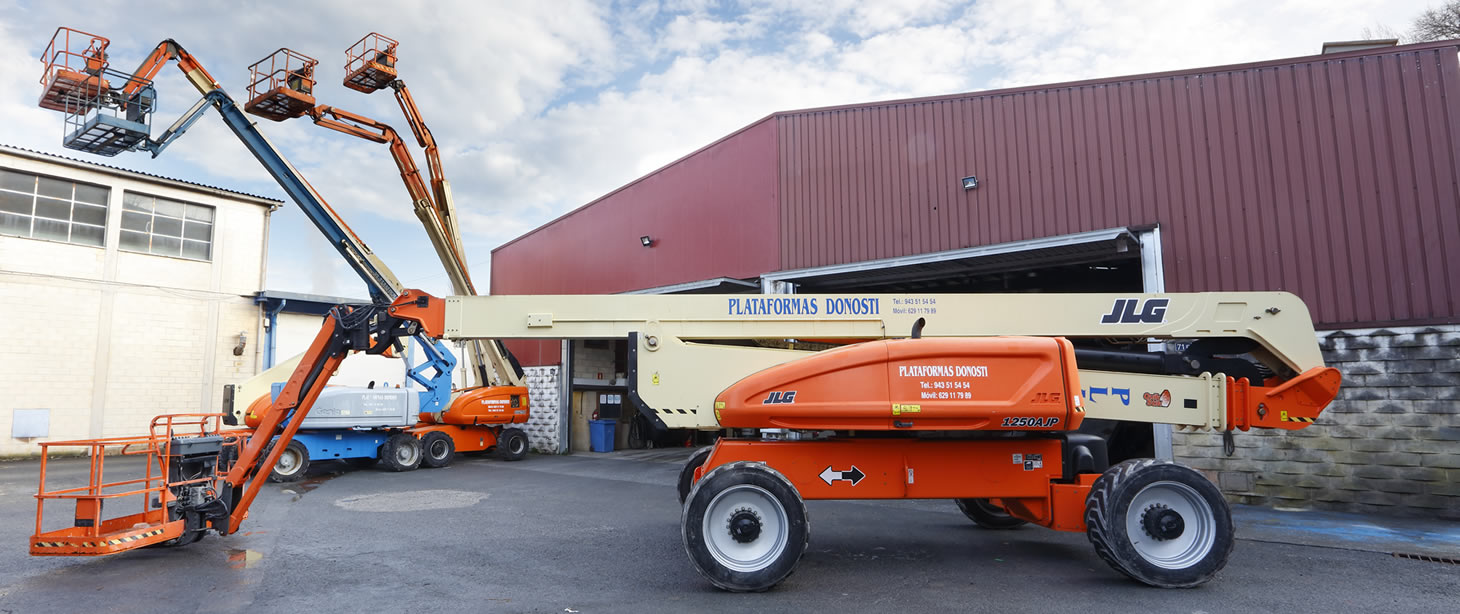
(600, 533)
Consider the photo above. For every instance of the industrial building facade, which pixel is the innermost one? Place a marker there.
(1334, 177)
(137, 293)
(141, 295)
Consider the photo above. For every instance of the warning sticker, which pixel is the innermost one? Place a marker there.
(1033, 461)
(1018, 459)
(899, 409)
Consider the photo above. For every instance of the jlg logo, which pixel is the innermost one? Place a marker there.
(1125, 311)
(780, 398)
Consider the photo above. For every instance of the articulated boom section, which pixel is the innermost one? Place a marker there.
(207, 479)
(198, 476)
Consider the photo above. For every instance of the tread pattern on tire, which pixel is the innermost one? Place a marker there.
(428, 441)
(504, 450)
(686, 473)
(1096, 511)
(299, 473)
(387, 452)
(1099, 517)
(684, 525)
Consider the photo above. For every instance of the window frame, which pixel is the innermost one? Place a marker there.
(72, 203)
(188, 216)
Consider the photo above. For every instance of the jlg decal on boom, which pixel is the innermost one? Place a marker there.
(780, 398)
(1125, 311)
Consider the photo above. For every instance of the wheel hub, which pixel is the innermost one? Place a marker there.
(1162, 523)
(744, 525)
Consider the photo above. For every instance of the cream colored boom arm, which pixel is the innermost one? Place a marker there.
(678, 371)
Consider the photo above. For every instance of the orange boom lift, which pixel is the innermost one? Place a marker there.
(479, 417)
(986, 411)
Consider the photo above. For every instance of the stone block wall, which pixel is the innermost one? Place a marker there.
(1390, 443)
(543, 423)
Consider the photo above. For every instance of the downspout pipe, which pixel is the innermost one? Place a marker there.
(271, 338)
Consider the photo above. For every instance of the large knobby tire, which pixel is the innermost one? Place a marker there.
(1159, 523)
(438, 449)
(512, 445)
(687, 473)
(400, 452)
(987, 515)
(292, 463)
(744, 527)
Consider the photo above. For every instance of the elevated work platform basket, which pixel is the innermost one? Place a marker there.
(73, 62)
(281, 86)
(370, 63)
(111, 119)
(153, 468)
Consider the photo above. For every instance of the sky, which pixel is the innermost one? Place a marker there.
(541, 107)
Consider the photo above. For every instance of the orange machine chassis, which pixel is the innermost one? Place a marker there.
(1025, 476)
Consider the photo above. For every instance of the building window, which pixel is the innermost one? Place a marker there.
(153, 225)
(40, 207)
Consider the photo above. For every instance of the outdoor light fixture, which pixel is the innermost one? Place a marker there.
(970, 182)
(242, 341)
(647, 241)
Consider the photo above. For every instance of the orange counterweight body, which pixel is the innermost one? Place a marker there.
(980, 383)
(484, 405)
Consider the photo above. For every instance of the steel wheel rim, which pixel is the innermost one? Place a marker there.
(406, 454)
(758, 553)
(517, 445)
(1198, 537)
(438, 449)
(288, 463)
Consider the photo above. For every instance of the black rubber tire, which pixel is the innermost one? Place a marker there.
(300, 466)
(687, 472)
(1109, 507)
(987, 515)
(744, 476)
(437, 449)
(401, 452)
(512, 445)
(193, 531)
(635, 438)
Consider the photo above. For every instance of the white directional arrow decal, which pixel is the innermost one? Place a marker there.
(853, 475)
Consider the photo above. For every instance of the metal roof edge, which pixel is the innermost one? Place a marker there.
(1091, 236)
(42, 156)
(694, 285)
(1185, 72)
(265, 295)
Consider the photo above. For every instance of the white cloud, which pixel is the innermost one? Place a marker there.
(540, 107)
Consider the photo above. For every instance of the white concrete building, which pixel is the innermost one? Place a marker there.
(127, 295)
(132, 295)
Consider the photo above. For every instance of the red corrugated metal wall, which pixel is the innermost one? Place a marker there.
(711, 214)
(1333, 177)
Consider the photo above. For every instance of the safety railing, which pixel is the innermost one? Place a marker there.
(74, 61)
(106, 120)
(370, 63)
(281, 86)
(94, 530)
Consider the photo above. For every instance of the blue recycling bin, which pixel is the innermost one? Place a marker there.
(600, 434)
